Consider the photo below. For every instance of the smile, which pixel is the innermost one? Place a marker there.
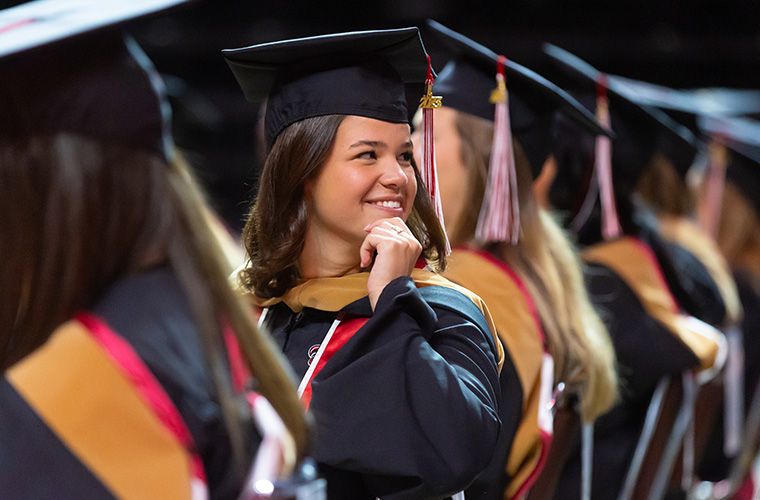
(387, 204)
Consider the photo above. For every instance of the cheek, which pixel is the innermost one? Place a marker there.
(411, 184)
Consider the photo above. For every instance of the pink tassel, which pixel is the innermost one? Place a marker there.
(709, 212)
(603, 164)
(499, 218)
(428, 169)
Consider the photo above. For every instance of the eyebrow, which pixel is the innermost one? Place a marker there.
(378, 144)
(373, 144)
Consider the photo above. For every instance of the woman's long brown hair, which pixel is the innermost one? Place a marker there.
(548, 265)
(276, 227)
(664, 189)
(82, 214)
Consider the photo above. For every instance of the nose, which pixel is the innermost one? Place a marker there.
(394, 174)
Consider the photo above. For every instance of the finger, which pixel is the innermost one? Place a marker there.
(393, 231)
(401, 236)
(365, 253)
(371, 243)
(391, 221)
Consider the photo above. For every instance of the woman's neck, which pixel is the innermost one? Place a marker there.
(328, 257)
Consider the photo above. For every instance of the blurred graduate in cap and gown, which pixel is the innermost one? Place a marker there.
(730, 196)
(666, 189)
(398, 366)
(127, 358)
(511, 252)
(653, 336)
(645, 136)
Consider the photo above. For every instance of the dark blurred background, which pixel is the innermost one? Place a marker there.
(679, 43)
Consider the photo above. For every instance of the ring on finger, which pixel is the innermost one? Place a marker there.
(397, 229)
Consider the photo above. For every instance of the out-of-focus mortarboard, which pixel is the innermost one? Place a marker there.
(358, 73)
(66, 66)
(640, 129)
(676, 112)
(522, 106)
(467, 80)
(715, 101)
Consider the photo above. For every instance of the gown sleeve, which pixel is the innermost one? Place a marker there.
(645, 351)
(693, 287)
(410, 402)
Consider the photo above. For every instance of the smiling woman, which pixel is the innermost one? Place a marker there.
(362, 197)
(399, 366)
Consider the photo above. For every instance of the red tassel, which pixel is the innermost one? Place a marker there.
(499, 218)
(709, 211)
(428, 170)
(603, 164)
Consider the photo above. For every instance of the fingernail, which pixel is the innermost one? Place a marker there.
(367, 226)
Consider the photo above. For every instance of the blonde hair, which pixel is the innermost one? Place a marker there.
(547, 263)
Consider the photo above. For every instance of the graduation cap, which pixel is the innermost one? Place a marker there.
(721, 101)
(521, 103)
(640, 129)
(66, 66)
(715, 101)
(357, 73)
(640, 132)
(361, 73)
(675, 110)
(467, 80)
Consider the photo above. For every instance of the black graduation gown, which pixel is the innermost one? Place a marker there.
(715, 465)
(151, 313)
(691, 283)
(646, 351)
(407, 408)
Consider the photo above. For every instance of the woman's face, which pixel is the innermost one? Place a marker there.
(367, 176)
(452, 173)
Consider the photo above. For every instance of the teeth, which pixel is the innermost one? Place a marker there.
(389, 204)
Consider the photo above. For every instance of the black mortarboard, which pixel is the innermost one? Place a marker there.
(679, 138)
(467, 80)
(742, 137)
(676, 123)
(686, 105)
(66, 66)
(359, 73)
(638, 129)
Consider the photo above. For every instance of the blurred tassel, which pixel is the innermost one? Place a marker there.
(603, 164)
(428, 170)
(709, 213)
(499, 218)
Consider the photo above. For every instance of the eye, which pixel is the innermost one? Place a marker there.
(367, 155)
(406, 156)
